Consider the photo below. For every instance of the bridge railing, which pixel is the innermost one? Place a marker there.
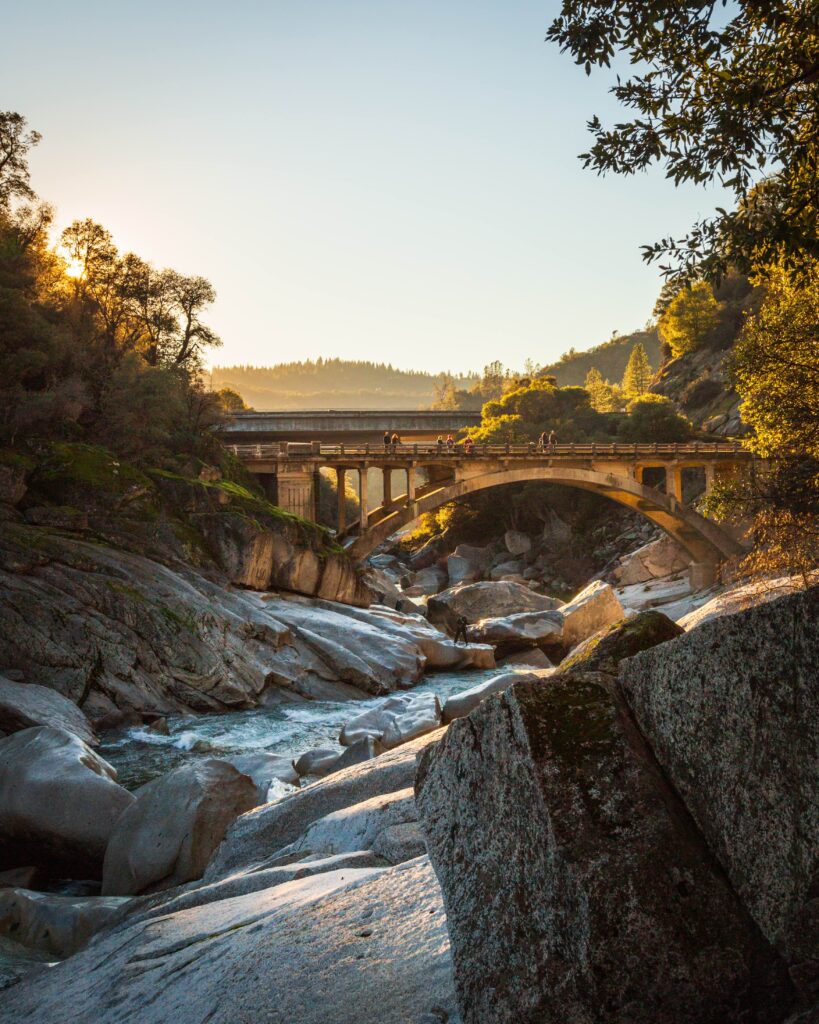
(379, 452)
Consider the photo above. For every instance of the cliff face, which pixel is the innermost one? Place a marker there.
(699, 382)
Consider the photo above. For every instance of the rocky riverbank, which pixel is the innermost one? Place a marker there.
(605, 847)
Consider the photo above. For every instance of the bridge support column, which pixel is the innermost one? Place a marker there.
(297, 490)
(702, 575)
(363, 498)
(410, 485)
(341, 495)
(387, 488)
(673, 482)
(710, 476)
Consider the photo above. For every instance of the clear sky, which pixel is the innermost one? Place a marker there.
(369, 179)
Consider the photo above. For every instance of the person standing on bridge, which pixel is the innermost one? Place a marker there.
(396, 440)
(469, 444)
(542, 442)
(552, 441)
(450, 443)
(386, 441)
(440, 444)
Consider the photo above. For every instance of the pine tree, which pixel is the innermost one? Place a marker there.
(601, 393)
(638, 374)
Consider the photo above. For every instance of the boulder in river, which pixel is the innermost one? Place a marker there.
(263, 767)
(26, 705)
(518, 632)
(459, 705)
(59, 802)
(595, 607)
(401, 717)
(324, 761)
(167, 836)
(488, 599)
(467, 563)
(731, 710)
(576, 887)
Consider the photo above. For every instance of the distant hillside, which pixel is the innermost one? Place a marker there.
(610, 358)
(330, 384)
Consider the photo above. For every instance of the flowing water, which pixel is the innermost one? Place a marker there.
(288, 729)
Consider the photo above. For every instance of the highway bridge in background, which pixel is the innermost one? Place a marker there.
(350, 425)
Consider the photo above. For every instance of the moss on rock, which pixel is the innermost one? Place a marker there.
(604, 651)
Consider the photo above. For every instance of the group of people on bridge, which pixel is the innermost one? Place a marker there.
(546, 442)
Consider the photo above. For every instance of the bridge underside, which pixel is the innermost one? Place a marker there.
(704, 540)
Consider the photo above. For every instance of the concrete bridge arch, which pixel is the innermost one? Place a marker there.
(705, 541)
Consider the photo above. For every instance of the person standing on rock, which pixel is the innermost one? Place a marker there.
(460, 629)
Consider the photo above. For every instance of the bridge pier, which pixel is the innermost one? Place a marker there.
(411, 484)
(387, 487)
(341, 495)
(363, 498)
(297, 490)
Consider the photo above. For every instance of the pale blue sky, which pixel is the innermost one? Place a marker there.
(359, 178)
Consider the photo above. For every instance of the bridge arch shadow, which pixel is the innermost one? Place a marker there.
(704, 540)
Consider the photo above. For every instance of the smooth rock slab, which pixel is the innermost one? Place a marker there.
(344, 946)
(59, 802)
(169, 834)
(259, 834)
(575, 885)
(459, 705)
(400, 718)
(60, 925)
(27, 705)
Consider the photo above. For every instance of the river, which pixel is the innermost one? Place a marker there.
(289, 729)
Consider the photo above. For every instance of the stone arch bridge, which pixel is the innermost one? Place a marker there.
(649, 478)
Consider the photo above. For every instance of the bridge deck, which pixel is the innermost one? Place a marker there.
(332, 453)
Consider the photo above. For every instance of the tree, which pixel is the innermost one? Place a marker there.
(15, 142)
(230, 400)
(691, 319)
(776, 368)
(654, 418)
(719, 95)
(604, 397)
(638, 374)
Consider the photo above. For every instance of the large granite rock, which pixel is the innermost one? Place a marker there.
(517, 543)
(575, 886)
(259, 834)
(26, 705)
(59, 802)
(346, 945)
(467, 563)
(595, 607)
(489, 599)
(264, 768)
(661, 557)
(740, 598)
(459, 705)
(60, 925)
(604, 651)
(400, 718)
(170, 832)
(517, 632)
(731, 710)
